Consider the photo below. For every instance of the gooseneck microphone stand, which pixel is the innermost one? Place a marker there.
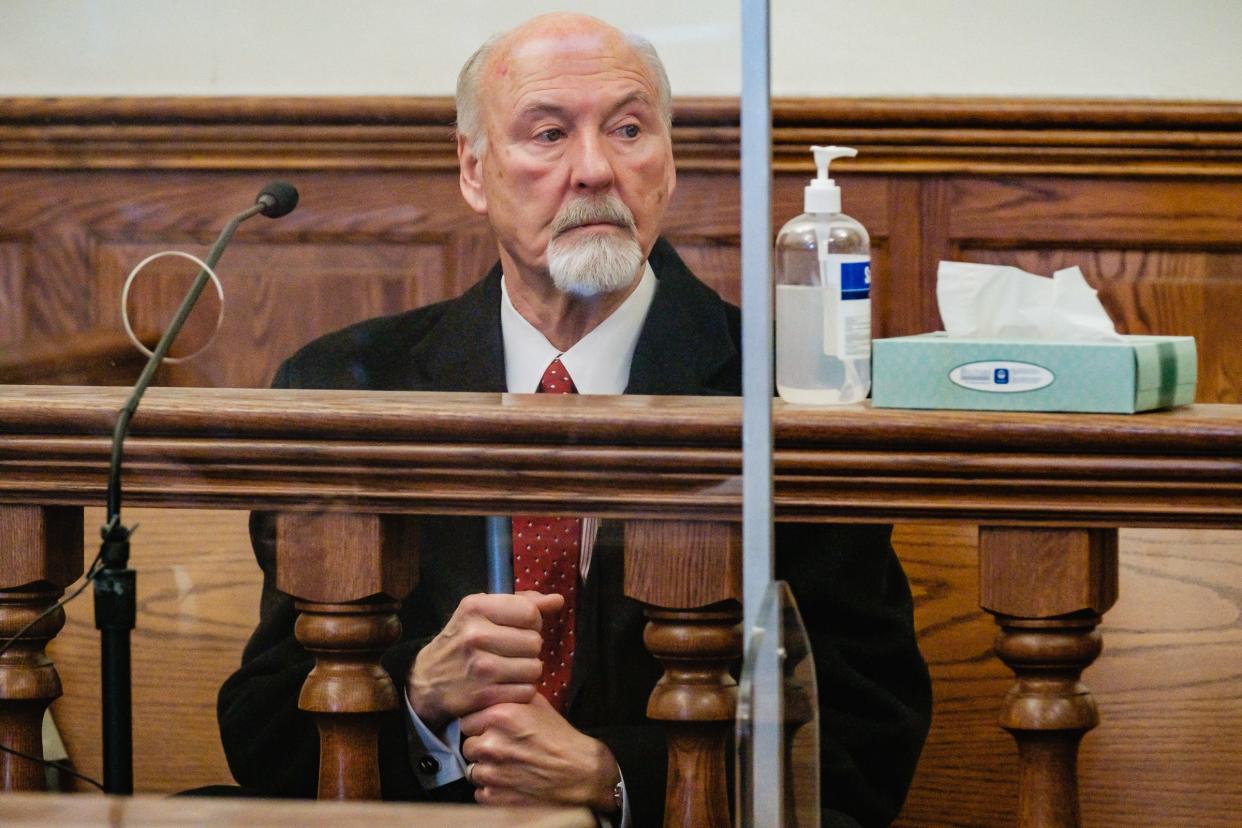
(115, 582)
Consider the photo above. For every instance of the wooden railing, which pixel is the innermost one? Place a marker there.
(346, 472)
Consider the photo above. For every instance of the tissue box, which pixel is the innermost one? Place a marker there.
(938, 371)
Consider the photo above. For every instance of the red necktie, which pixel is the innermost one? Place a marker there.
(545, 559)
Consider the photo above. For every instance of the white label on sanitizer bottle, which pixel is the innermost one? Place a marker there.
(847, 304)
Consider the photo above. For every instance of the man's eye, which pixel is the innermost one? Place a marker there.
(630, 130)
(549, 136)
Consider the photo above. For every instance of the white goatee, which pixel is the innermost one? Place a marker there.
(587, 264)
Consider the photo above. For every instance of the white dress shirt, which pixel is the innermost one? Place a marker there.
(599, 363)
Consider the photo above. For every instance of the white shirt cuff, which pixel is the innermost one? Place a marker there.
(436, 762)
(624, 821)
(621, 820)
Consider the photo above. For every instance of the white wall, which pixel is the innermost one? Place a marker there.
(1078, 48)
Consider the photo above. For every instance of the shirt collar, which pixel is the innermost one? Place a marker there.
(599, 363)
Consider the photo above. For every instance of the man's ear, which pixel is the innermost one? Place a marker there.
(672, 177)
(471, 178)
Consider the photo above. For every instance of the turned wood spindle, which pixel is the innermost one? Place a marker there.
(28, 684)
(42, 552)
(348, 690)
(1048, 637)
(689, 577)
(348, 573)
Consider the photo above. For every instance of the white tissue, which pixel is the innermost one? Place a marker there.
(1001, 302)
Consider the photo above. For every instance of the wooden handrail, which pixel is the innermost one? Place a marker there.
(343, 471)
(671, 457)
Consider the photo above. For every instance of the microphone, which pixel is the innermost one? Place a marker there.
(115, 582)
(277, 199)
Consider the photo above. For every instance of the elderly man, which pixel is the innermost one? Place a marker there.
(564, 145)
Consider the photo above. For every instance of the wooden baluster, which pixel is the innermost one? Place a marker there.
(41, 547)
(1048, 589)
(348, 573)
(689, 575)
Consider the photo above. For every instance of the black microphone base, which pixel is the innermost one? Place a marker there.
(115, 614)
(118, 727)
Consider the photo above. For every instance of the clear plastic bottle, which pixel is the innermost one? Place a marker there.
(823, 298)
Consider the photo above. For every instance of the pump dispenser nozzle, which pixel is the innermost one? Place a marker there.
(823, 195)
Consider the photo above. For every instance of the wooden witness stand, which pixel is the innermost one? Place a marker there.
(348, 474)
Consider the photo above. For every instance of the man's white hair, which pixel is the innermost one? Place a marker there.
(469, 119)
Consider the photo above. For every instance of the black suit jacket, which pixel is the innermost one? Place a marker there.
(875, 696)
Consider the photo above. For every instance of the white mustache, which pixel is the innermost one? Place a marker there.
(597, 210)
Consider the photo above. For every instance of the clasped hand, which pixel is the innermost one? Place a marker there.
(487, 654)
(483, 668)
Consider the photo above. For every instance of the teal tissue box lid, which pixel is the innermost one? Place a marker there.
(937, 371)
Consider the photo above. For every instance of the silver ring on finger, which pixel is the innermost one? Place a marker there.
(470, 773)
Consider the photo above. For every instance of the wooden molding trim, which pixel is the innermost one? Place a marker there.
(673, 458)
(97, 353)
(897, 135)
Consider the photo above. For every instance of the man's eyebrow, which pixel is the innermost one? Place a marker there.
(637, 96)
(537, 108)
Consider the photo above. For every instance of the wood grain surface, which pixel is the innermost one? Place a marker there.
(897, 134)
(1166, 750)
(1075, 568)
(1047, 604)
(663, 457)
(1144, 196)
(688, 576)
(104, 357)
(153, 812)
(198, 602)
(682, 565)
(40, 546)
(1161, 252)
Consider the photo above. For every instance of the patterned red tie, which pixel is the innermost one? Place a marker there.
(545, 559)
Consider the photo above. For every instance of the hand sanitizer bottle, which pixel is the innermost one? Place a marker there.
(823, 297)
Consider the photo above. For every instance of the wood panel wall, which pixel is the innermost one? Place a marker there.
(1146, 198)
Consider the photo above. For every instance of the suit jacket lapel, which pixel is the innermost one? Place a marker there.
(688, 342)
(465, 351)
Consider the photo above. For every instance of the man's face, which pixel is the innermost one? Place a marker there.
(572, 123)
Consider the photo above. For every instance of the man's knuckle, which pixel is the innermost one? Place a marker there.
(481, 667)
(474, 636)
